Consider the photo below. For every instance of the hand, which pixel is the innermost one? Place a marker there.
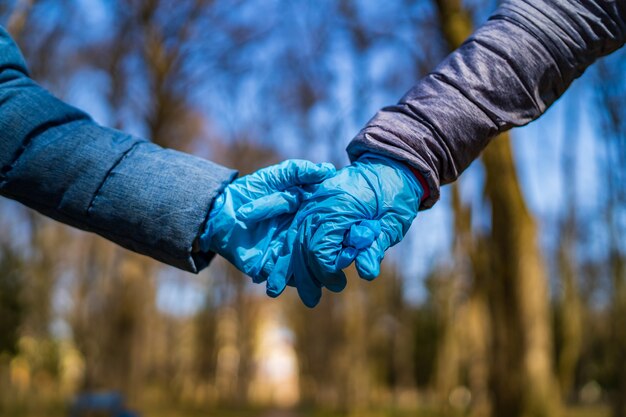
(248, 222)
(356, 215)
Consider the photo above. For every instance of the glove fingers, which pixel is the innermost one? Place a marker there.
(332, 278)
(324, 247)
(335, 281)
(363, 234)
(284, 178)
(277, 280)
(270, 206)
(368, 260)
(262, 274)
(299, 172)
(282, 268)
(346, 256)
(309, 288)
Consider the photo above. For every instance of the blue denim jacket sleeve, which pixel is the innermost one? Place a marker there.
(506, 74)
(56, 160)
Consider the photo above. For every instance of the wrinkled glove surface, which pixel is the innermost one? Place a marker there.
(248, 222)
(356, 215)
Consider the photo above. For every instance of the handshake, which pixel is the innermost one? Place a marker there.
(299, 223)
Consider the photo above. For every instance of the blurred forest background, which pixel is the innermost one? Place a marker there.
(506, 299)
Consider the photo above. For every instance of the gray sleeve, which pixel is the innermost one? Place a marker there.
(56, 160)
(506, 74)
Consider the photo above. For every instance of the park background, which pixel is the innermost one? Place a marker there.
(508, 298)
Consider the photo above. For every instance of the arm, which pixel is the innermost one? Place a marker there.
(506, 74)
(55, 159)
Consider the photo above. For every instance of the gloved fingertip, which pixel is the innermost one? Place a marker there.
(368, 273)
(368, 265)
(258, 278)
(338, 286)
(279, 276)
(373, 224)
(319, 173)
(345, 258)
(275, 287)
(311, 302)
(272, 292)
(310, 293)
(363, 234)
(360, 237)
(266, 270)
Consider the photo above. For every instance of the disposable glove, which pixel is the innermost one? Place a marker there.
(249, 221)
(356, 215)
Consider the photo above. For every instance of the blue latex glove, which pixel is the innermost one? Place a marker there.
(356, 215)
(248, 222)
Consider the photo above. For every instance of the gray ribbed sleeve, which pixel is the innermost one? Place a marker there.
(506, 74)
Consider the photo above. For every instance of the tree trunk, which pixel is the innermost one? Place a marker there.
(522, 382)
(569, 318)
(569, 307)
(618, 349)
(614, 179)
(522, 379)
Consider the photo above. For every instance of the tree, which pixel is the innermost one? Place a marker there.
(522, 381)
(11, 305)
(613, 124)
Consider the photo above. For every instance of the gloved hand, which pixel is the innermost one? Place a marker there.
(248, 222)
(357, 214)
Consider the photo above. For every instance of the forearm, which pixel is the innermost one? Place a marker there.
(506, 74)
(55, 159)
